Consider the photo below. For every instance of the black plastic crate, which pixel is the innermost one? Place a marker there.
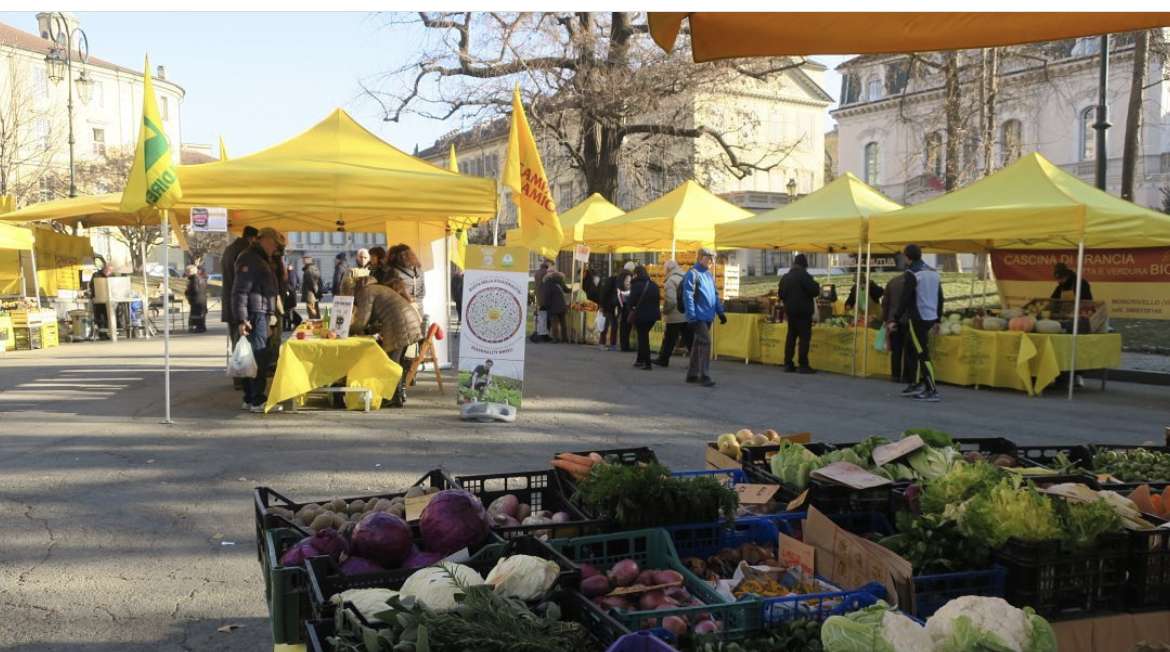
(325, 578)
(1061, 582)
(265, 498)
(829, 497)
(316, 635)
(1046, 454)
(542, 491)
(1148, 587)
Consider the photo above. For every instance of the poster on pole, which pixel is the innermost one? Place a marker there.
(209, 219)
(581, 253)
(340, 316)
(1134, 282)
(491, 337)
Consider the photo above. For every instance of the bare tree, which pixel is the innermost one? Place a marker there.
(201, 243)
(596, 88)
(30, 137)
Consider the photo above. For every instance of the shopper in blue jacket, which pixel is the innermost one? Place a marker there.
(702, 306)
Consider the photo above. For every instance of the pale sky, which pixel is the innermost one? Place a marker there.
(259, 78)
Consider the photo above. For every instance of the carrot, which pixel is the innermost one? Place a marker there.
(576, 459)
(578, 471)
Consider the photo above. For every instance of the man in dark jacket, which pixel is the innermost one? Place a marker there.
(254, 295)
(340, 268)
(922, 306)
(311, 287)
(799, 293)
(227, 264)
(901, 356)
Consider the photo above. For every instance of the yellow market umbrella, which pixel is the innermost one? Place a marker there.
(830, 219)
(683, 218)
(593, 210)
(1030, 204)
(724, 35)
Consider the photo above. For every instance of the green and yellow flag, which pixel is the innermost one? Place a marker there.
(222, 150)
(153, 180)
(540, 230)
(458, 253)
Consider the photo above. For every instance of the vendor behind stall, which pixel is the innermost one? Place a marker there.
(1066, 287)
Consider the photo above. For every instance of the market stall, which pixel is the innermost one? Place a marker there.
(783, 542)
(309, 363)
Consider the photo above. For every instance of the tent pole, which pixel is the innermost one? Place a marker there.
(1076, 316)
(146, 284)
(20, 272)
(858, 297)
(572, 282)
(166, 303)
(971, 291)
(32, 254)
(865, 321)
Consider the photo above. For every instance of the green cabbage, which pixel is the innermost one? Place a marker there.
(930, 463)
(961, 482)
(1008, 510)
(793, 463)
(859, 631)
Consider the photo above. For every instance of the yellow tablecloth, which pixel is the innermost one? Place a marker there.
(1025, 361)
(305, 365)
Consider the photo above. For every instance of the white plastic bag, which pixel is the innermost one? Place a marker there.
(242, 363)
(599, 324)
(542, 322)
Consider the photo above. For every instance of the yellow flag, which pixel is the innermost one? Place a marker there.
(458, 252)
(540, 230)
(222, 150)
(153, 180)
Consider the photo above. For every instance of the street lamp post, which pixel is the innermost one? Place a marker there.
(60, 63)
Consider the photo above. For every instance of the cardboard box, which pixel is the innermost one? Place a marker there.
(1118, 633)
(850, 561)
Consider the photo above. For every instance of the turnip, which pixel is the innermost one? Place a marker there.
(624, 572)
(561, 517)
(707, 627)
(506, 504)
(523, 511)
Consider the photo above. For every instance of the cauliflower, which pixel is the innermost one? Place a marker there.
(981, 623)
(876, 628)
(904, 634)
(523, 576)
(435, 587)
(367, 602)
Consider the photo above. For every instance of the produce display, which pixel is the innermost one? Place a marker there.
(959, 514)
(447, 606)
(646, 495)
(952, 325)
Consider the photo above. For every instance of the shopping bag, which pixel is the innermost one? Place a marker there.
(542, 322)
(599, 324)
(242, 363)
(880, 343)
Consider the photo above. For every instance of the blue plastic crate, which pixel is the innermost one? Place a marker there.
(640, 642)
(705, 539)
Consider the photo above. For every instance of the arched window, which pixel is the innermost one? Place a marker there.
(934, 153)
(1010, 141)
(873, 89)
(871, 163)
(1088, 148)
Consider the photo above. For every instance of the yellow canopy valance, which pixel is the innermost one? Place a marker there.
(15, 237)
(593, 210)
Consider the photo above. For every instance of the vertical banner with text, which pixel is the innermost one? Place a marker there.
(491, 337)
(1134, 282)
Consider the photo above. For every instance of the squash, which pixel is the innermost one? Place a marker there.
(1023, 323)
(994, 324)
(1048, 326)
(1011, 313)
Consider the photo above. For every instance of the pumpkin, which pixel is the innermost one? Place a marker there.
(993, 324)
(1048, 326)
(1023, 323)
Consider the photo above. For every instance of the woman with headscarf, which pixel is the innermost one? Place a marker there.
(196, 294)
(643, 313)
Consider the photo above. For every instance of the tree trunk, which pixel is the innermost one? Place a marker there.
(1133, 114)
(991, 89)
(954, 121)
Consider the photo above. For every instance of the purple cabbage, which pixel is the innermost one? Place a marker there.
(325, 542)
(359, 566)
(453, 520)
(382, 538)
(418, 559)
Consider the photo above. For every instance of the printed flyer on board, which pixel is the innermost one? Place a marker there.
(492, 335)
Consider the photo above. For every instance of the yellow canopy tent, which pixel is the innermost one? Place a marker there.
(16, 238)
(13, 241)
(55, 261)
(682, 218)
(725, 35)
(593, 210)
(1030, 204)
(831, 219)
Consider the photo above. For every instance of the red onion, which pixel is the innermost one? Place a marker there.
(707, 627)
(614, 602)
(667, 577)
(646, 578)
(675, 625)
(587, 571)
(594, 586)
(624, 572)
(651, 599)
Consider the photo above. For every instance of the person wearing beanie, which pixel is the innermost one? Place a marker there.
(922, 306)
(799, 293)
